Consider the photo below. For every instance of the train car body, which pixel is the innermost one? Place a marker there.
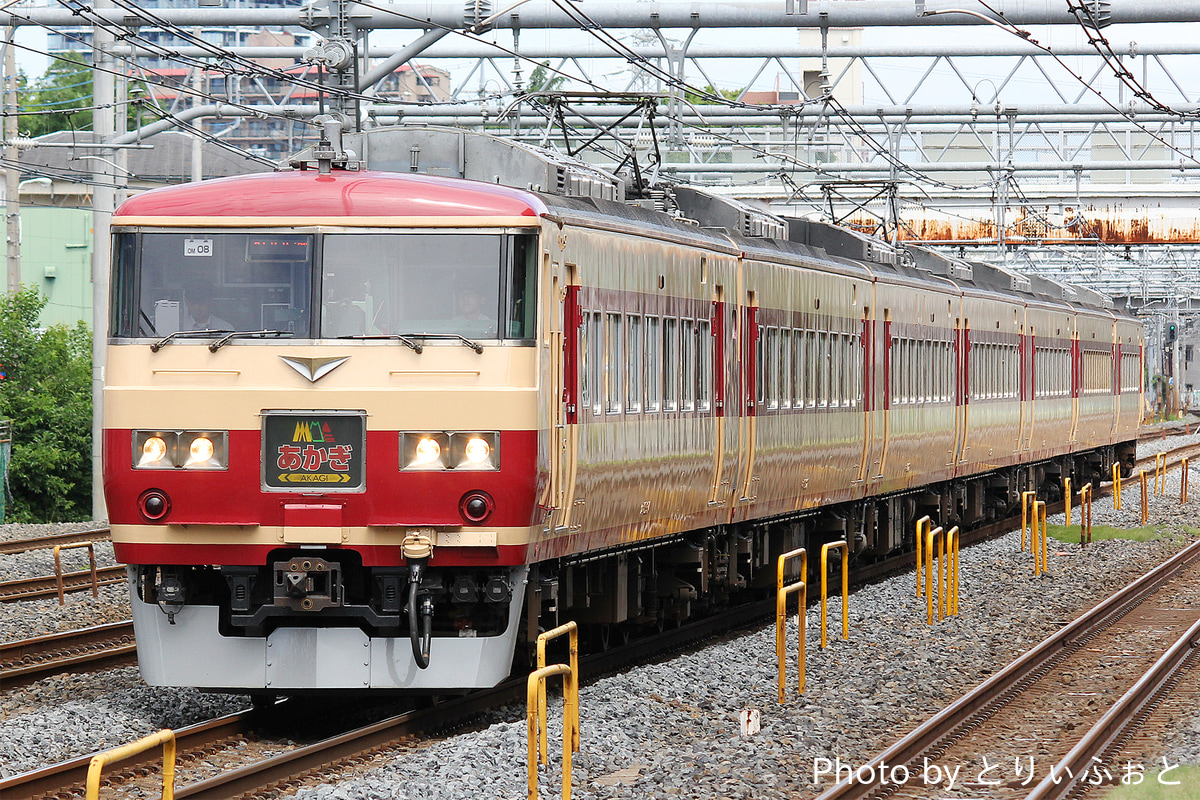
(359, 422)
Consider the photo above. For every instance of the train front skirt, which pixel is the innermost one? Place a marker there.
(192, 652)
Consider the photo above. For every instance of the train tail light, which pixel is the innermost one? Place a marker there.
(476, 506)
(154, 504)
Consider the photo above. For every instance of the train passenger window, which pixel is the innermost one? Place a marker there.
(784, 360)
(687, 330)
(760, 350)
(670, 364)
(613, 364)
(634, 351)
(654, 367)
(595, 363)
(812, 373)
(769, 369)
(837, 372)
(797, 356)
(585, 367)
(705, 377)
(825, 369)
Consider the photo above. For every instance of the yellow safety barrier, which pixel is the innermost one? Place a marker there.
(164, 737)
(534, 689)
(1160, 474)
(938, 535)
(58, 573)
(924, 523)
(1145, 500)
(1183, 479)
(1025, 498)
(781, 596)
(1085, 515)
(1116, 486)
(952, 546)
(1067, 499)
(1038, 537)
(845, 586)
(572, 630)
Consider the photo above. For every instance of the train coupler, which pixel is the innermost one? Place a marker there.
(307, 583)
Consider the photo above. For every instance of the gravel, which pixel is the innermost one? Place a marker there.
(672, 729)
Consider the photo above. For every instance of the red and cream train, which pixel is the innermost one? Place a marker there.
(361, 420)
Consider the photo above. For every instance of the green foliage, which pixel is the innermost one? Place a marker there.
(48, 396)
(543, 80)
(65, 88)
(1100, 532)
(707, 100)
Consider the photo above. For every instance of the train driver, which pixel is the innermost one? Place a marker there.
(197, 314)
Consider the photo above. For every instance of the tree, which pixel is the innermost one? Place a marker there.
(47, 393)
(710, 95)
(542, 80)
(65, 91)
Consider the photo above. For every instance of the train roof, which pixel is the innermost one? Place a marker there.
(312, 195)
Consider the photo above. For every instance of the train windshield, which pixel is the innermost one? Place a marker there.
(308, 285)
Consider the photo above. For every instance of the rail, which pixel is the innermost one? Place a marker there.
(46, 542)
(46, 586)
(963, 711)
(1111, 728)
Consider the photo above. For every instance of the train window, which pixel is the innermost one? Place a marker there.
(613, 364)
(812, 381)
(769, 367)
(784, 357)
(837, 369)
(634, 351)
(412, 283)
(670, 364)
(212, 280)
(586, 357)
(687, 330)
(595, 364)
(705, 377)
(521, 288)
(654, 367)
(760, 346)
(825, 368)
(797, 356)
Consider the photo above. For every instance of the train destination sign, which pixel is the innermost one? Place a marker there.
(310, 450)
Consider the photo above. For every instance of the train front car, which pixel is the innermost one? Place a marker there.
(321, 429)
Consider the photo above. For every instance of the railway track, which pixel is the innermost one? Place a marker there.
(36, 588)
(98, 647)
(1141, 643)
(43, 542)
(337, 752)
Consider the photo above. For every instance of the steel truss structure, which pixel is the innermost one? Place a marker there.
(992, 129)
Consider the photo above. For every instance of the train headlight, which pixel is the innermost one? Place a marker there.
(180, 450)
(205, 449)
(154, 452)
(474, 451)
(424, 451)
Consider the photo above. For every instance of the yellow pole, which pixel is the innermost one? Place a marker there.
(825, 548)
(532, 691)
(165, 737)
(1183, 479)
(1117, 485)
(1025, 497)
(934, 535)
(1067, 499)
(921, 523)
(953, 536)
(781, 638)
(1145, 498)
(1045, 537)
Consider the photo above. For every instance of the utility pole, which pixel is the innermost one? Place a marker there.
(104, 197)
(12, 176)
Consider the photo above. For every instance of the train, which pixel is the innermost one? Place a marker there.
(374, 420)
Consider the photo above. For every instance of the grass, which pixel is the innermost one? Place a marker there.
(1151, 789)
(1064, 533)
